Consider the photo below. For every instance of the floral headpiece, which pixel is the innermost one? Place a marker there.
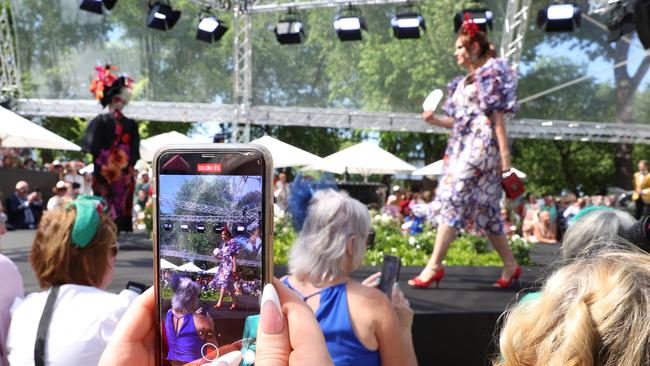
(469, 26)
(107, 84)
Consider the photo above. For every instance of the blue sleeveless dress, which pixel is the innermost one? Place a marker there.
(185, 345)
(333, 316)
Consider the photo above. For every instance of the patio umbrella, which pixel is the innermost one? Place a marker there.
(189, 267)
(364, 158)
(431, 169)
(148, 147)
(17, 131)
(285, 155)
(213, 270)
(165, 264)
(90, 168)
(519, 173)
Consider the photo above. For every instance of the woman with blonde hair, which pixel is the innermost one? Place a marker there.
(360, 325)
(593, 311)
(71, 321)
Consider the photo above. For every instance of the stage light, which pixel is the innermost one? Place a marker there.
(407, 23)
(642, 20)
(241, 228)
(95, 6)
(559, 18)
(210, 29)
(162, 16)
(185, 228)
(168, 226)
(349, 23)
(289, 29)
(218, 228)
(200, 228)
(482, 17)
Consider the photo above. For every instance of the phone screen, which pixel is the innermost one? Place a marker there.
(211, 253)
(389, 273)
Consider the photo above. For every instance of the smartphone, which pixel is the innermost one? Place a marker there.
(389, 274)
(212, 250)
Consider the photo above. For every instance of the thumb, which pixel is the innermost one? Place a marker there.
(273, 345)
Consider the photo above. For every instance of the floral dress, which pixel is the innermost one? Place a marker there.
(469, 188)
(225, 277)
(114, 142)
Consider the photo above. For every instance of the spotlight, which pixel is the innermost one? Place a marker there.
(185, 228)
(407, 23)
(168, 226)
(200, 228)
(559, 18)
(210, 29)
(482, 17)
(349, 23)
(218, 228)
(642, 19)
(162, 16)
(95, 6)
(289, 29)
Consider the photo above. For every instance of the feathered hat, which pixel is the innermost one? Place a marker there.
(107, 84)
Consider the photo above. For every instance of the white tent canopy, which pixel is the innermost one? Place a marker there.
(165, 264)
(148, 147)
(189, 267)
(213, 270)
(285, 155)
(364, 158)
(17, 131)
(436, 169)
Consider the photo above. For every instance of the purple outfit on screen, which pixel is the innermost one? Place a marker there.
(469, 188)
(225, 278)
(184, 345)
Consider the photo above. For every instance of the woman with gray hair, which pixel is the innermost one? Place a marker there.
(183, 340)
(592, 225)
(360, 325)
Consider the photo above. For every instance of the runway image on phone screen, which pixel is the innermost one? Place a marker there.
(210, 255)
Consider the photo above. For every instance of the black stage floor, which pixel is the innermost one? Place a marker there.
(455, 324)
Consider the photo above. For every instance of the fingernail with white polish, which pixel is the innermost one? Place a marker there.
(229, 359)
(270, 314)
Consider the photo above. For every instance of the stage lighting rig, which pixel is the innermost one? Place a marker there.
(162, 16)
(349, 23)
(95, 6)
(481, 16)
(210, 29)
(624, 16)
(564, 17)
(289, 29)
(407, 23)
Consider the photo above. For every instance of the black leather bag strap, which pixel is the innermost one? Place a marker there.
(43, 327)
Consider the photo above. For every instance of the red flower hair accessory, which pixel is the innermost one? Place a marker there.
(469, 26)
(105, 80)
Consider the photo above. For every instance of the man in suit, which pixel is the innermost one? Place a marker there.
(19, 210)
(641, 194)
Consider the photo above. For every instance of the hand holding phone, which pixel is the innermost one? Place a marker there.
(389, 274)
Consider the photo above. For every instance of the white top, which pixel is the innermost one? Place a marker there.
(56, 202)
(83, 322)
(11, 288)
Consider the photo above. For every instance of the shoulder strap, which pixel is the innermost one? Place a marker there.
(43, 327)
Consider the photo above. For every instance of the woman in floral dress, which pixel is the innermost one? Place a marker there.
(227, 272)
(114, 142)
(469, 188)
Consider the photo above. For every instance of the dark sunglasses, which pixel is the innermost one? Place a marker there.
(370, 241)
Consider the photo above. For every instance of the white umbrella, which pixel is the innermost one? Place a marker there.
(165, 264)
(17, 131)
(431, 169)
(364, 158)
(285, 155)
(213, 270)
(148, 147)
(189, 267)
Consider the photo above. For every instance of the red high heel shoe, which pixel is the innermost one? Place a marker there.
(513, 277)
(437, 276)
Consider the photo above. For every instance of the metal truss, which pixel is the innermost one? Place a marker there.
(514, 31)
(9, 70)
(206, 258)
(219, 218)
(243, 85)
(339, 118)
(238, 215)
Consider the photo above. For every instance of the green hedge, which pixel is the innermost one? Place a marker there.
(466, 250)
